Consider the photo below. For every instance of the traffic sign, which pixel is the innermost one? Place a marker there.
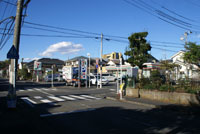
(12, 53)
(83, 68)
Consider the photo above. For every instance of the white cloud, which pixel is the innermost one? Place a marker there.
(63, 48)
(30, 59)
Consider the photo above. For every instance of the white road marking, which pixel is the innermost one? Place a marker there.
(20, 90)
(29, 89)
(46, 101)
(37, 89)
(90, 97)
(28, 101)
(62, 113)
(46, 89)
(56, 98)
(113, 89)
(37, 97)
(54, 89)
(68, 98)
(78, 97)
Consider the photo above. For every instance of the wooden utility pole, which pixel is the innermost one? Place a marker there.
(14, 62)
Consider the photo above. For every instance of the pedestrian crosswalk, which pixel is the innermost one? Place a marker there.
(54, 99)
(36, 89)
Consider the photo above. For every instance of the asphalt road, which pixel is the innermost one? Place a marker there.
(69, 110)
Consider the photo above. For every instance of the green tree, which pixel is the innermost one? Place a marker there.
(138, 49)
(23, 73)
(4, 64)
(192, 54)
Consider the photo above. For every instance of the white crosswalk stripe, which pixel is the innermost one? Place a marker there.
(56, 98)
(68, 98)
(52, 99)
(37, 89)
(78, 97)
(37, 97)
(90, 97)
(26, 98)
(46, 101)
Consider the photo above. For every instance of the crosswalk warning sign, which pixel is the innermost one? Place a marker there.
(12, 53)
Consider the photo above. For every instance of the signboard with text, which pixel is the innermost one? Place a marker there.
(83, 68)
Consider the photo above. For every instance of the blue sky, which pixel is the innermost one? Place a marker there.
(110, 17)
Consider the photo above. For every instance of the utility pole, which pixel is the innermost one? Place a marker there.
(101, 60)
(14, 62)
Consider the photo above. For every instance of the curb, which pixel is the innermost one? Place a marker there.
(132, 102)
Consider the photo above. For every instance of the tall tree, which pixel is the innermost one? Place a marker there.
(192, 54)
(4, 64)
(138, 49)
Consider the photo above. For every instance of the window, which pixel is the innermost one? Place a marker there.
(117, 55)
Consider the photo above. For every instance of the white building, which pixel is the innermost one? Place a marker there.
(185, 69)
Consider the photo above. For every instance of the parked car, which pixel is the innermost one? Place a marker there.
(109, 77)
(96, 79)
(58, 77)
(48, 78)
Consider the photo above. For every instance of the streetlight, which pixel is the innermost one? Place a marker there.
(52, 76)
(88, 54)
(185, 36)
(185, 39)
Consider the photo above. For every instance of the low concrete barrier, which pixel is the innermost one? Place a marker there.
(169, 97)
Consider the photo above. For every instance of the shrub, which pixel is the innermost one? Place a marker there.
(149, 86)
(167, 88)
(155, 78)
(144, 81)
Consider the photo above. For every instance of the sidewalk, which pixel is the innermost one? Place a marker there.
(138, 101)
(21, 120)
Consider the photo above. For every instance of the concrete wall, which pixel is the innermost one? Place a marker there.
(169, 97)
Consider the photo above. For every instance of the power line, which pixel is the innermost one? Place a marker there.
(49, 30)
(111, 37)
(59, 36)
(60, 28)
(169, 46)
(167, 42)
(7, 2)
(164, 49)
(161, 15)
(8, 34)
(173, 12)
